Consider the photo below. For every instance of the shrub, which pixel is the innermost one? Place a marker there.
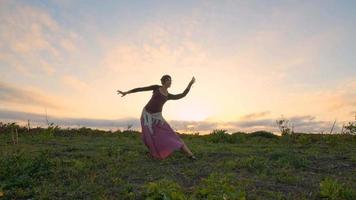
(264, 134)
(350, 128)
(283, 125)
(219, 135)
(238, 137)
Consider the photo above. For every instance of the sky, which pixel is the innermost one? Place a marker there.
(254, 62)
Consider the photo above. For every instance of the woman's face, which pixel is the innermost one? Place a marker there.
(167, 83)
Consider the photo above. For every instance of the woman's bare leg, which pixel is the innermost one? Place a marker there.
(186, 150)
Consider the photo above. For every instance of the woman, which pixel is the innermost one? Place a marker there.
(157, 135)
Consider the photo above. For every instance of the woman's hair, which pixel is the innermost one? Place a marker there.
(165, 78)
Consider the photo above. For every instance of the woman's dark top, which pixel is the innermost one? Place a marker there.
(158, 99)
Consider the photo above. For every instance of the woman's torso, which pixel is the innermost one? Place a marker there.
(155, 104)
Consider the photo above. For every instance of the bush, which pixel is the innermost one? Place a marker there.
(219, 135)
(10, 127)
(264, 134)
(283, 126)
(350, 128)
(238, 137)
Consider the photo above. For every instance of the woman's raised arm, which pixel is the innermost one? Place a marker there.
(181, 95)
(139, 89)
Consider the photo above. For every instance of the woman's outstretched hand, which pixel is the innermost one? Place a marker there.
(192, 81)
(122, 93)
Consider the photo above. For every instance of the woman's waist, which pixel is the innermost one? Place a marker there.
(148, 117)
(151, 112)
(153, 109)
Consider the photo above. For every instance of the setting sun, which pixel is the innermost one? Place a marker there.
(194, 112)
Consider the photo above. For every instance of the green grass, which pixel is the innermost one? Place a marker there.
(92, 164)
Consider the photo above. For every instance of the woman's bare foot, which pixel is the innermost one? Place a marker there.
(192, 157)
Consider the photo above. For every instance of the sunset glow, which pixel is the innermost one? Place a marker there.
(254, 61)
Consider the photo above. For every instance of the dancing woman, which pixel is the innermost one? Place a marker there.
(157, 135)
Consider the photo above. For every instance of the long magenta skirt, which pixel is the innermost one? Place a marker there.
(162, 142)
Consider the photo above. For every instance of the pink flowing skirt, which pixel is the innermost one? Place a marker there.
(162, 142)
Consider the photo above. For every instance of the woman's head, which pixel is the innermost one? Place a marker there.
(166, 80)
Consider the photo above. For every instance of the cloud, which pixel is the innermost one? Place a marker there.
(253, 123)
(268, 53)
(40, 120)
(342, 96)
(63, 3)
(157, 45)
(255, 115)
(193, 125)
(128, 57)
(335, 101)
(75, 83)
(13, 95)
(31, 40)
(306, 124)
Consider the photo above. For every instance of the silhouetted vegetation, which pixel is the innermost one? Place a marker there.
(350, 128)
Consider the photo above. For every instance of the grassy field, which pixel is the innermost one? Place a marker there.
(90, 164)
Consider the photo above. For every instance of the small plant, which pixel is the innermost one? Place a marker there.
(219, 186)
(290, 160)
(15, 136)
(350, 128)
(8, 127)
(219, 135)
(254, 164)
(283, 125)
(331, 189)
(50, 130)
(129, 126)
(163, 190)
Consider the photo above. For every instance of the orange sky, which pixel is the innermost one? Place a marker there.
(252, 63)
